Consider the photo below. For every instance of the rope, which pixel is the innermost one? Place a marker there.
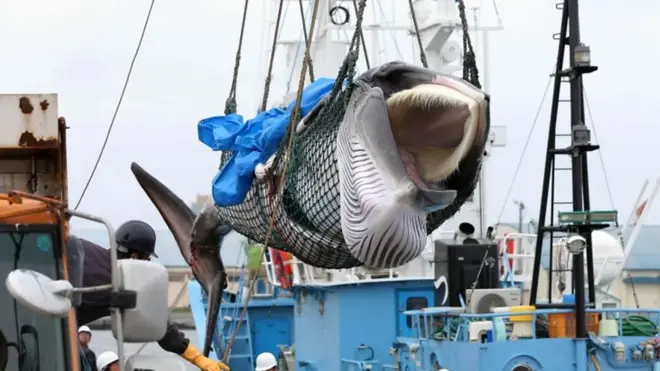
(600, 154)
(638, 326)
(121, 98)
(524, 150)
(304, 30)
(278, 196)
(364, 44)
(470, 70)
(230, 103)
(422, 53)
(264, 100)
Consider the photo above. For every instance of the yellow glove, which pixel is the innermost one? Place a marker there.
(196, 357)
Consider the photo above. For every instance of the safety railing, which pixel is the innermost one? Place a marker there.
(516, 266)
(304, 274)
(444, 324)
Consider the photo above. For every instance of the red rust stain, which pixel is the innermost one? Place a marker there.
(28, 139)
(44, 105)
(25, 105)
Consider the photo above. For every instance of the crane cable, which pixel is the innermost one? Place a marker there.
(278, 196)
(121, 98)
(230, 103)
(522, 154)
(269, 74)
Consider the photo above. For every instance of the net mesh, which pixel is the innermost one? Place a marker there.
(307, 219)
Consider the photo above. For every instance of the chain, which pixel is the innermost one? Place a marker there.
(295, 116)
(230, 103)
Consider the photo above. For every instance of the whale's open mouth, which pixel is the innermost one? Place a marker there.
(419, 134)
(434, 126)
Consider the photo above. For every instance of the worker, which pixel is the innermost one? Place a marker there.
(107, 361)
(84, 337)
(135, 240)
(266, 362)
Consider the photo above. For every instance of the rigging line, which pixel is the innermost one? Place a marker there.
(422, 53)
(295, 116)
(304, 29)
(121, 98)
(522, 155)
(600, 155)
(394, 41)
(230, 103)
(295, 58)
(364, 44)
(497, 12)
(269, 75)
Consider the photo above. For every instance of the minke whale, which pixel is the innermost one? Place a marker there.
(407, 154)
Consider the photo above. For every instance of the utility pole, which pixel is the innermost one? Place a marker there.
(521, 211)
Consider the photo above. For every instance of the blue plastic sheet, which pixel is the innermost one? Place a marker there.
(252, 142)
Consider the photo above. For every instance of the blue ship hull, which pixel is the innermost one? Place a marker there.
(379, 325)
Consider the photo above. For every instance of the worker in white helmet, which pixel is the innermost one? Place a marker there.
(266, 362)
(108, 361)
(84, 337)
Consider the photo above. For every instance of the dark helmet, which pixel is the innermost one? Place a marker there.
(138, 236)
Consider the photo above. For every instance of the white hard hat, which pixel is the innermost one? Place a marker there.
(105, 360)
(84, 329)
(265, 361)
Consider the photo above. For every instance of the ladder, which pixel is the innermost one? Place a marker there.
(241, 356)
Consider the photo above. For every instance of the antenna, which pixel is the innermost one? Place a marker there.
(578, 223)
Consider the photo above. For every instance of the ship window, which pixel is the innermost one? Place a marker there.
(414, 303)
(40, 338)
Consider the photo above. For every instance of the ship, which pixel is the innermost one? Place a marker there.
(478, 298)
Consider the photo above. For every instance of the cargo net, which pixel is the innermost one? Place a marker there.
(305, 202)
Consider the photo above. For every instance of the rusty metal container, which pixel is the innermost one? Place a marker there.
(28, 121)
(32, 145)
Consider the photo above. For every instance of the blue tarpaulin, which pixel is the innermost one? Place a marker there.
(252, 142)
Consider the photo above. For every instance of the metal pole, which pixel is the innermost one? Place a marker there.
(116, 279)
(482, 178)
(576, 159)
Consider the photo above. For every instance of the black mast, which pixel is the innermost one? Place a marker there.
(569, 224)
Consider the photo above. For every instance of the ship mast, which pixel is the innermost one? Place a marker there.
(576, 225)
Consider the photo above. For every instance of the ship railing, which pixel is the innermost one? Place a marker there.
(444, 324)
(305, 274)
(516, 266)
(309, 275)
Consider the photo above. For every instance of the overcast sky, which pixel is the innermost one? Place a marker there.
(81, 50)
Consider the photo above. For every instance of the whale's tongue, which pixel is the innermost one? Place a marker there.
(411, 166)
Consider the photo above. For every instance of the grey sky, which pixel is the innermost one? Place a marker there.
(81, 50)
